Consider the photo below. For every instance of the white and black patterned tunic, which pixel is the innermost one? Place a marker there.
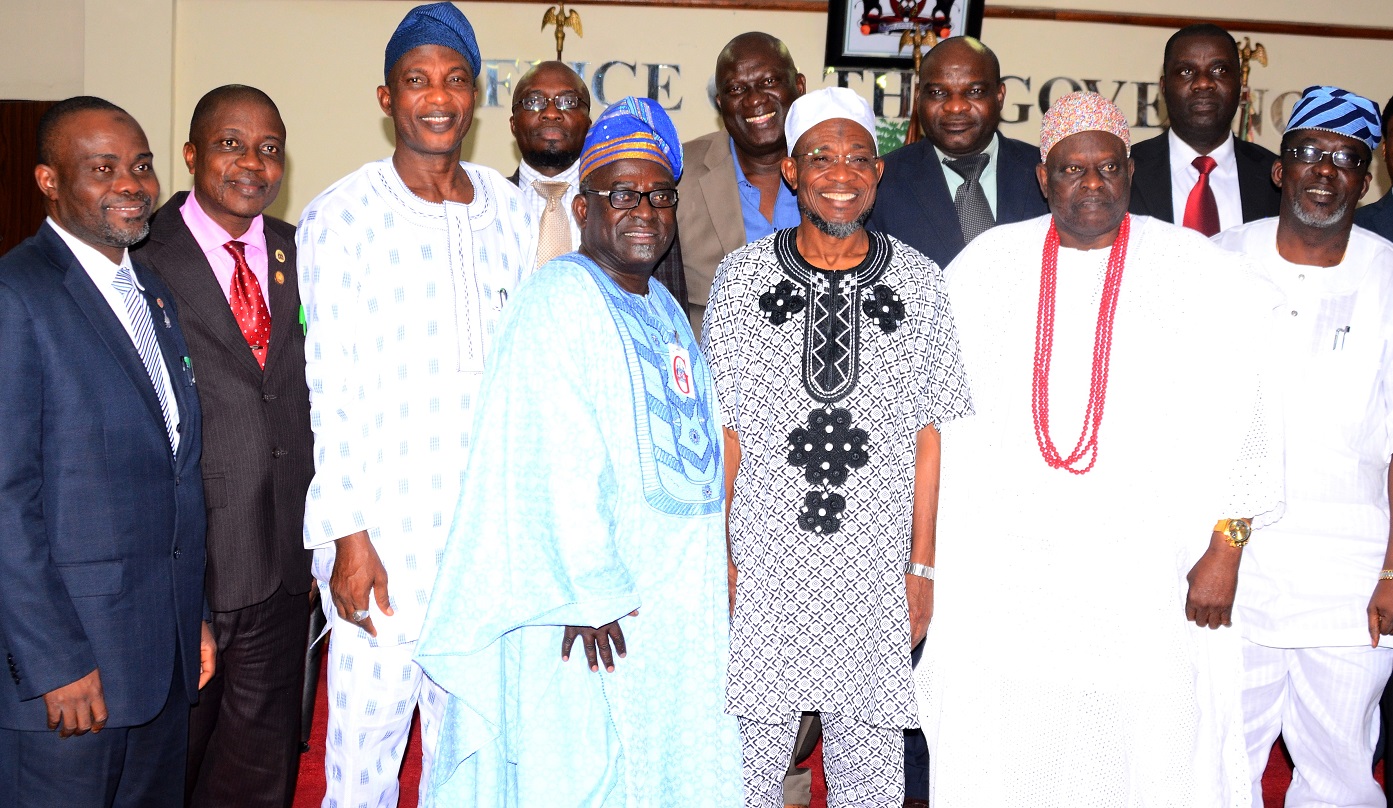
(827, 377)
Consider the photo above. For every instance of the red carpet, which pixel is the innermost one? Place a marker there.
(310, 789)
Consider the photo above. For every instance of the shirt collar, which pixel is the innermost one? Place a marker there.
(211, 236)
(1183, 152)
(527, 175)
(98, 266)
(990, 151)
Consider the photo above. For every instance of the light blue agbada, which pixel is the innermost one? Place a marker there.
(595, 488)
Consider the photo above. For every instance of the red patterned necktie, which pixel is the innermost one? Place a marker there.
(1201, 211)
(248, 305)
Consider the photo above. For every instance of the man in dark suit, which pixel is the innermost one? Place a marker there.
(101, 507)
(232, 271)
(1378, 217)
(1196, 173)
(732, 191)
(963, 177)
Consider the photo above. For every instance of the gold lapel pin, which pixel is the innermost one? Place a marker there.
(280, 277)
(280, 256)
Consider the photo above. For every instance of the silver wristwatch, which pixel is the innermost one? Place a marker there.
(922, 570)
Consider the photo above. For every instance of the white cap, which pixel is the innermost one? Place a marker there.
(827, 104)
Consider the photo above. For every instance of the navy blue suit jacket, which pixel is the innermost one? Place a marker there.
(913, 205)
(1377, 216)
(101, 526)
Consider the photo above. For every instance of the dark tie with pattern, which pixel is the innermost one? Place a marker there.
(974, 214)
(248, 305)
(1201, 211)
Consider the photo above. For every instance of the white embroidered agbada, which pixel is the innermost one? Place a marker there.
(1059, 668)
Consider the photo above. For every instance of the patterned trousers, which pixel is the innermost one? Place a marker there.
(372, 694)
(864, 764)
(1324, 703)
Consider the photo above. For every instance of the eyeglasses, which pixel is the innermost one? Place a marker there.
(1310, 154)
(628, 200)
(564, 102)
(824, 161)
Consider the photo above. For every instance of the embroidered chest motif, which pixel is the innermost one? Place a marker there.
(679, 447)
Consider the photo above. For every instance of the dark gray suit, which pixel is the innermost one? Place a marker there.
(1151, 180)
(913, 205)
(257, 464)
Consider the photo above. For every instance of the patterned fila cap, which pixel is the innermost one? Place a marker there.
(1082, 112)
(1331, 109)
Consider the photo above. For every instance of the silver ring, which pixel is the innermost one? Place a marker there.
(359, 616)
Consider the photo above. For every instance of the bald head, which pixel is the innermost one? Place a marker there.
(754, 44)
(961, 50)
(214, 100)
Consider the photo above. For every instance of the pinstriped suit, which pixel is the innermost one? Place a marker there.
(257, 464)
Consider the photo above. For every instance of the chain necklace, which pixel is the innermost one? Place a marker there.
(1087, 445)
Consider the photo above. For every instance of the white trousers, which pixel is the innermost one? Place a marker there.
(864, 764)
(1324, 704)
(372, 694)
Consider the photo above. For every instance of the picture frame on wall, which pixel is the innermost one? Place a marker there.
(868, 33)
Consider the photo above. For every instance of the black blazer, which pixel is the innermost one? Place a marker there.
(913, 205)
(1377, 216)
(1151, 179)
(258, 450)
(101, 526)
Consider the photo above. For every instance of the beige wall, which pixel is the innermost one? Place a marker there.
(322, 60)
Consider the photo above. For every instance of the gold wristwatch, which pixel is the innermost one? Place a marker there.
(1236, 531)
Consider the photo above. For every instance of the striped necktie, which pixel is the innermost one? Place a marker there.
(146, 345)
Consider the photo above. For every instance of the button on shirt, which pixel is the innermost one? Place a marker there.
(1305, 580)
(211, 237)
(1223, 180)
(786, 213)
(536, 203)
(103, 273)
(987, 179)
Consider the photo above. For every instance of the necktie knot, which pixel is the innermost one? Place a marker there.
(124, 280)
(970, 167)
(1204, 164)
(551, 190)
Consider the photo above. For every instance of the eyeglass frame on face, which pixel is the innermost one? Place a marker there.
(639, 196)
(839, 159)
(530, 99)
(1321, 154)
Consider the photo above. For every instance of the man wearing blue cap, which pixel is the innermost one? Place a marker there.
(1313, 665)
(405, 266)
(591, 520)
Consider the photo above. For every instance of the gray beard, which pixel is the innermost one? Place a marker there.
(836, 229)
(1315, 220)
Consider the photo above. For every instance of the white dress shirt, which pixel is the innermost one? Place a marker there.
(538, 203)
(103, 273)
(1223, 180)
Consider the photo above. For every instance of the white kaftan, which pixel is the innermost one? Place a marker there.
(1059, 668)
(401, 300)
